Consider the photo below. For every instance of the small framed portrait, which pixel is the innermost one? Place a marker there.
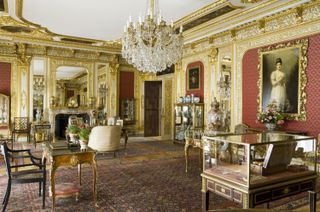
(193, 78)
(282, 78)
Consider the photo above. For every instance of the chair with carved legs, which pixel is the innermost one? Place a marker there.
(34, 171)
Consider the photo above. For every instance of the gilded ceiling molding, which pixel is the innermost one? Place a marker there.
(275, 23)
(48, 37)
(250, 1)
(19, 7)
(10, 48)
(205, 27)
(203, 11)
(311, 12)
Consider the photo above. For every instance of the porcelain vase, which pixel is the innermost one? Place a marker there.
(270, 126)
(83, 145)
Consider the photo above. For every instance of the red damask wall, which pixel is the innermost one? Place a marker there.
(250, 90)
(199, 92)
(126, 84)
(5, 78)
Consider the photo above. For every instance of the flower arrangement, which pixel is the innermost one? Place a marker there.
(271, 115)
(84, 133)
(84, 137)
(73, 129)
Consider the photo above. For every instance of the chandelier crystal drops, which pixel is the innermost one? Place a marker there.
(151, 45)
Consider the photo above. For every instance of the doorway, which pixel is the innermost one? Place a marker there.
(152, 108)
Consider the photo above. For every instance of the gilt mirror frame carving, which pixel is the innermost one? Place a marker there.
(55, 64)
(293, 58)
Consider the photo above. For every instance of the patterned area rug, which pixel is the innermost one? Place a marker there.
(148, 176)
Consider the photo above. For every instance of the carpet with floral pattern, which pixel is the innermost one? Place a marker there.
(131, 182)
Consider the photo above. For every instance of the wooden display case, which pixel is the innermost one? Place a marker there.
(253, 169)
(187, 116)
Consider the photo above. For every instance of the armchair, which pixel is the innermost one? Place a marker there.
(21, 125)
(105, 138)
(36, 173)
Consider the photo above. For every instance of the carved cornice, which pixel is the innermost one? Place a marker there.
(13, 32)
(286, 19)
(30, 50)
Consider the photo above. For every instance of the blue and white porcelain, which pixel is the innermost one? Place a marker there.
(196, 99)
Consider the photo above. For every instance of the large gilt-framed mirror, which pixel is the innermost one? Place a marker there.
(224, 88)
(71, 86)
(38, 88)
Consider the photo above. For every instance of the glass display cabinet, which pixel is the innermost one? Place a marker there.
(187, 116)
(253, 169)
(127, 112)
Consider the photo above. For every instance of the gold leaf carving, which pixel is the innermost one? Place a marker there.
(302, 96)
(74, 160)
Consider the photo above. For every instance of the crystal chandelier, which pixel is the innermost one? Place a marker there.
(151, 45)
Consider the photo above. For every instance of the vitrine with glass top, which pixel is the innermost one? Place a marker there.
(257, 168)
(187, 116)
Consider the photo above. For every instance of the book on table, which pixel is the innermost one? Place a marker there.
(59, 145)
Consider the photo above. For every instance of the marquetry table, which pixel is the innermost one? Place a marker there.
(60, 156)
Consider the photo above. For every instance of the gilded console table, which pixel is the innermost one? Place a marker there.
(69, 157)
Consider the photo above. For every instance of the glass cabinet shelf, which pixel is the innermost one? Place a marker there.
(187, 116)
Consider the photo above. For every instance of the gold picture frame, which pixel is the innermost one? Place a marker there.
(282, 78)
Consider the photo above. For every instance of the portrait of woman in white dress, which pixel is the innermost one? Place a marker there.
(280, 79)
(279, 91)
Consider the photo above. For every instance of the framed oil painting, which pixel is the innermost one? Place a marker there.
(193, 79)
(282, 78)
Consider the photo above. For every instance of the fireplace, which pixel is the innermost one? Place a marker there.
(61, 123)
(58, 119)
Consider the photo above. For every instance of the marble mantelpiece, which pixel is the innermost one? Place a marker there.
(72, 111)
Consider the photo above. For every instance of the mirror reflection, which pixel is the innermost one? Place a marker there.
(38, 86)
(102, 87)
(71, 86)
(224, 89)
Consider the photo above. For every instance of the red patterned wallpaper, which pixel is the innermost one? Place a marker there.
(5, 78)
(250, 90)
(199, 92)
(126, 84)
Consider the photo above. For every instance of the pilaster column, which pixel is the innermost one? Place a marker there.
(113, 92)
(23, 68)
